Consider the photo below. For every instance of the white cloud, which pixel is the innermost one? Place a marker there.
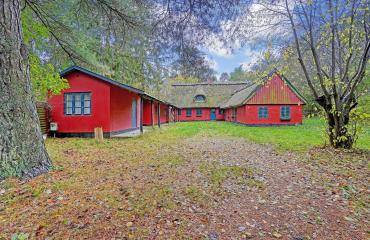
(252, 57)
(212, 63)
(217, 47)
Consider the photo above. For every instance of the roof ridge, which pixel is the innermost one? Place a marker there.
(99, 76)
(213, 83)
(239, 90)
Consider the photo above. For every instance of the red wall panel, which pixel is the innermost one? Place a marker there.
(275, 91)
(100, 105)
(206, 115)
(248, 114)
(121, 109)
(147, 113)
(163, 113)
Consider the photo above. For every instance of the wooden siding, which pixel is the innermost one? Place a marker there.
(275, 91)
(42, 112)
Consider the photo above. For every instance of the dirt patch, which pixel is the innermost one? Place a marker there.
(197, 188)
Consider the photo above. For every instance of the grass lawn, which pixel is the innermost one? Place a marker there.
(198, 180)
(295, 138)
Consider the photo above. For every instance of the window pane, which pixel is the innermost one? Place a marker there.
(69, 111)
(87, 96)
(200, 98)
(77, 110)
(87, 110)
(87, 103)
(285, 112)
(77, 104)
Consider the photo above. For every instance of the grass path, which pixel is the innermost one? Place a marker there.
(191, 181)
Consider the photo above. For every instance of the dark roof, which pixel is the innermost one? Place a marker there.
(100, 77)
(239, 97)
(183, 95)
(151, 97)
(212, 83)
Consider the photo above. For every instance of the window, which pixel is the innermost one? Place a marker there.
(221, 111)
(188, 112)
(200, 98)
(263, 113)
(285, 113)
(199, 112)
(179, 112)
(77, 103)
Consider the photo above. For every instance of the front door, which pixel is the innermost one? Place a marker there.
(213, 114)
(134, 113)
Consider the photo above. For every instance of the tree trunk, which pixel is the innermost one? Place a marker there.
(22, 150)
(339, 136)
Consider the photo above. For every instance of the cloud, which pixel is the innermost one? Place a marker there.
(212, 63)
(253, 56)
(217, 47)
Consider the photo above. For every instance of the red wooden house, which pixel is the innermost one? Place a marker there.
(275, 102)
(93, 100)
(202, 101)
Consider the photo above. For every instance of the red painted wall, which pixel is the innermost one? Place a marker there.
(248, 114)
(121, 109)
(206, 115)
(111, 106)
(100, 108)
(164, 113)
(275, 91)
(147, 112)
(148, 109)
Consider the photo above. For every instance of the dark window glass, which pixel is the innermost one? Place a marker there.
(285, 112)
(77, 103)
(188, 112)
(263, 113)
(199, 112)
(200, 98)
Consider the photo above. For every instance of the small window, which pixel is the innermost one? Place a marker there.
(199, 112)
(221, 111)
(179, 112)
(77, 103)
(188, 112)
(200, 98)
(285, 113)
(263, 113)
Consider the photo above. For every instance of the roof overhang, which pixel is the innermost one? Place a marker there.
(72, 69)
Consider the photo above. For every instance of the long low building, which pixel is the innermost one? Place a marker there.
(274, 101)
(94, 101)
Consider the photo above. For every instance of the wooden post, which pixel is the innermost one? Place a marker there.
(168, 114)
(159, 115)
(141, 114)
(98, 132)
(152, 112)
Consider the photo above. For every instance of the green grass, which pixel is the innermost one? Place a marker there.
(295, 138)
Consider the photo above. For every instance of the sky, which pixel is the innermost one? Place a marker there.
(223, 60)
